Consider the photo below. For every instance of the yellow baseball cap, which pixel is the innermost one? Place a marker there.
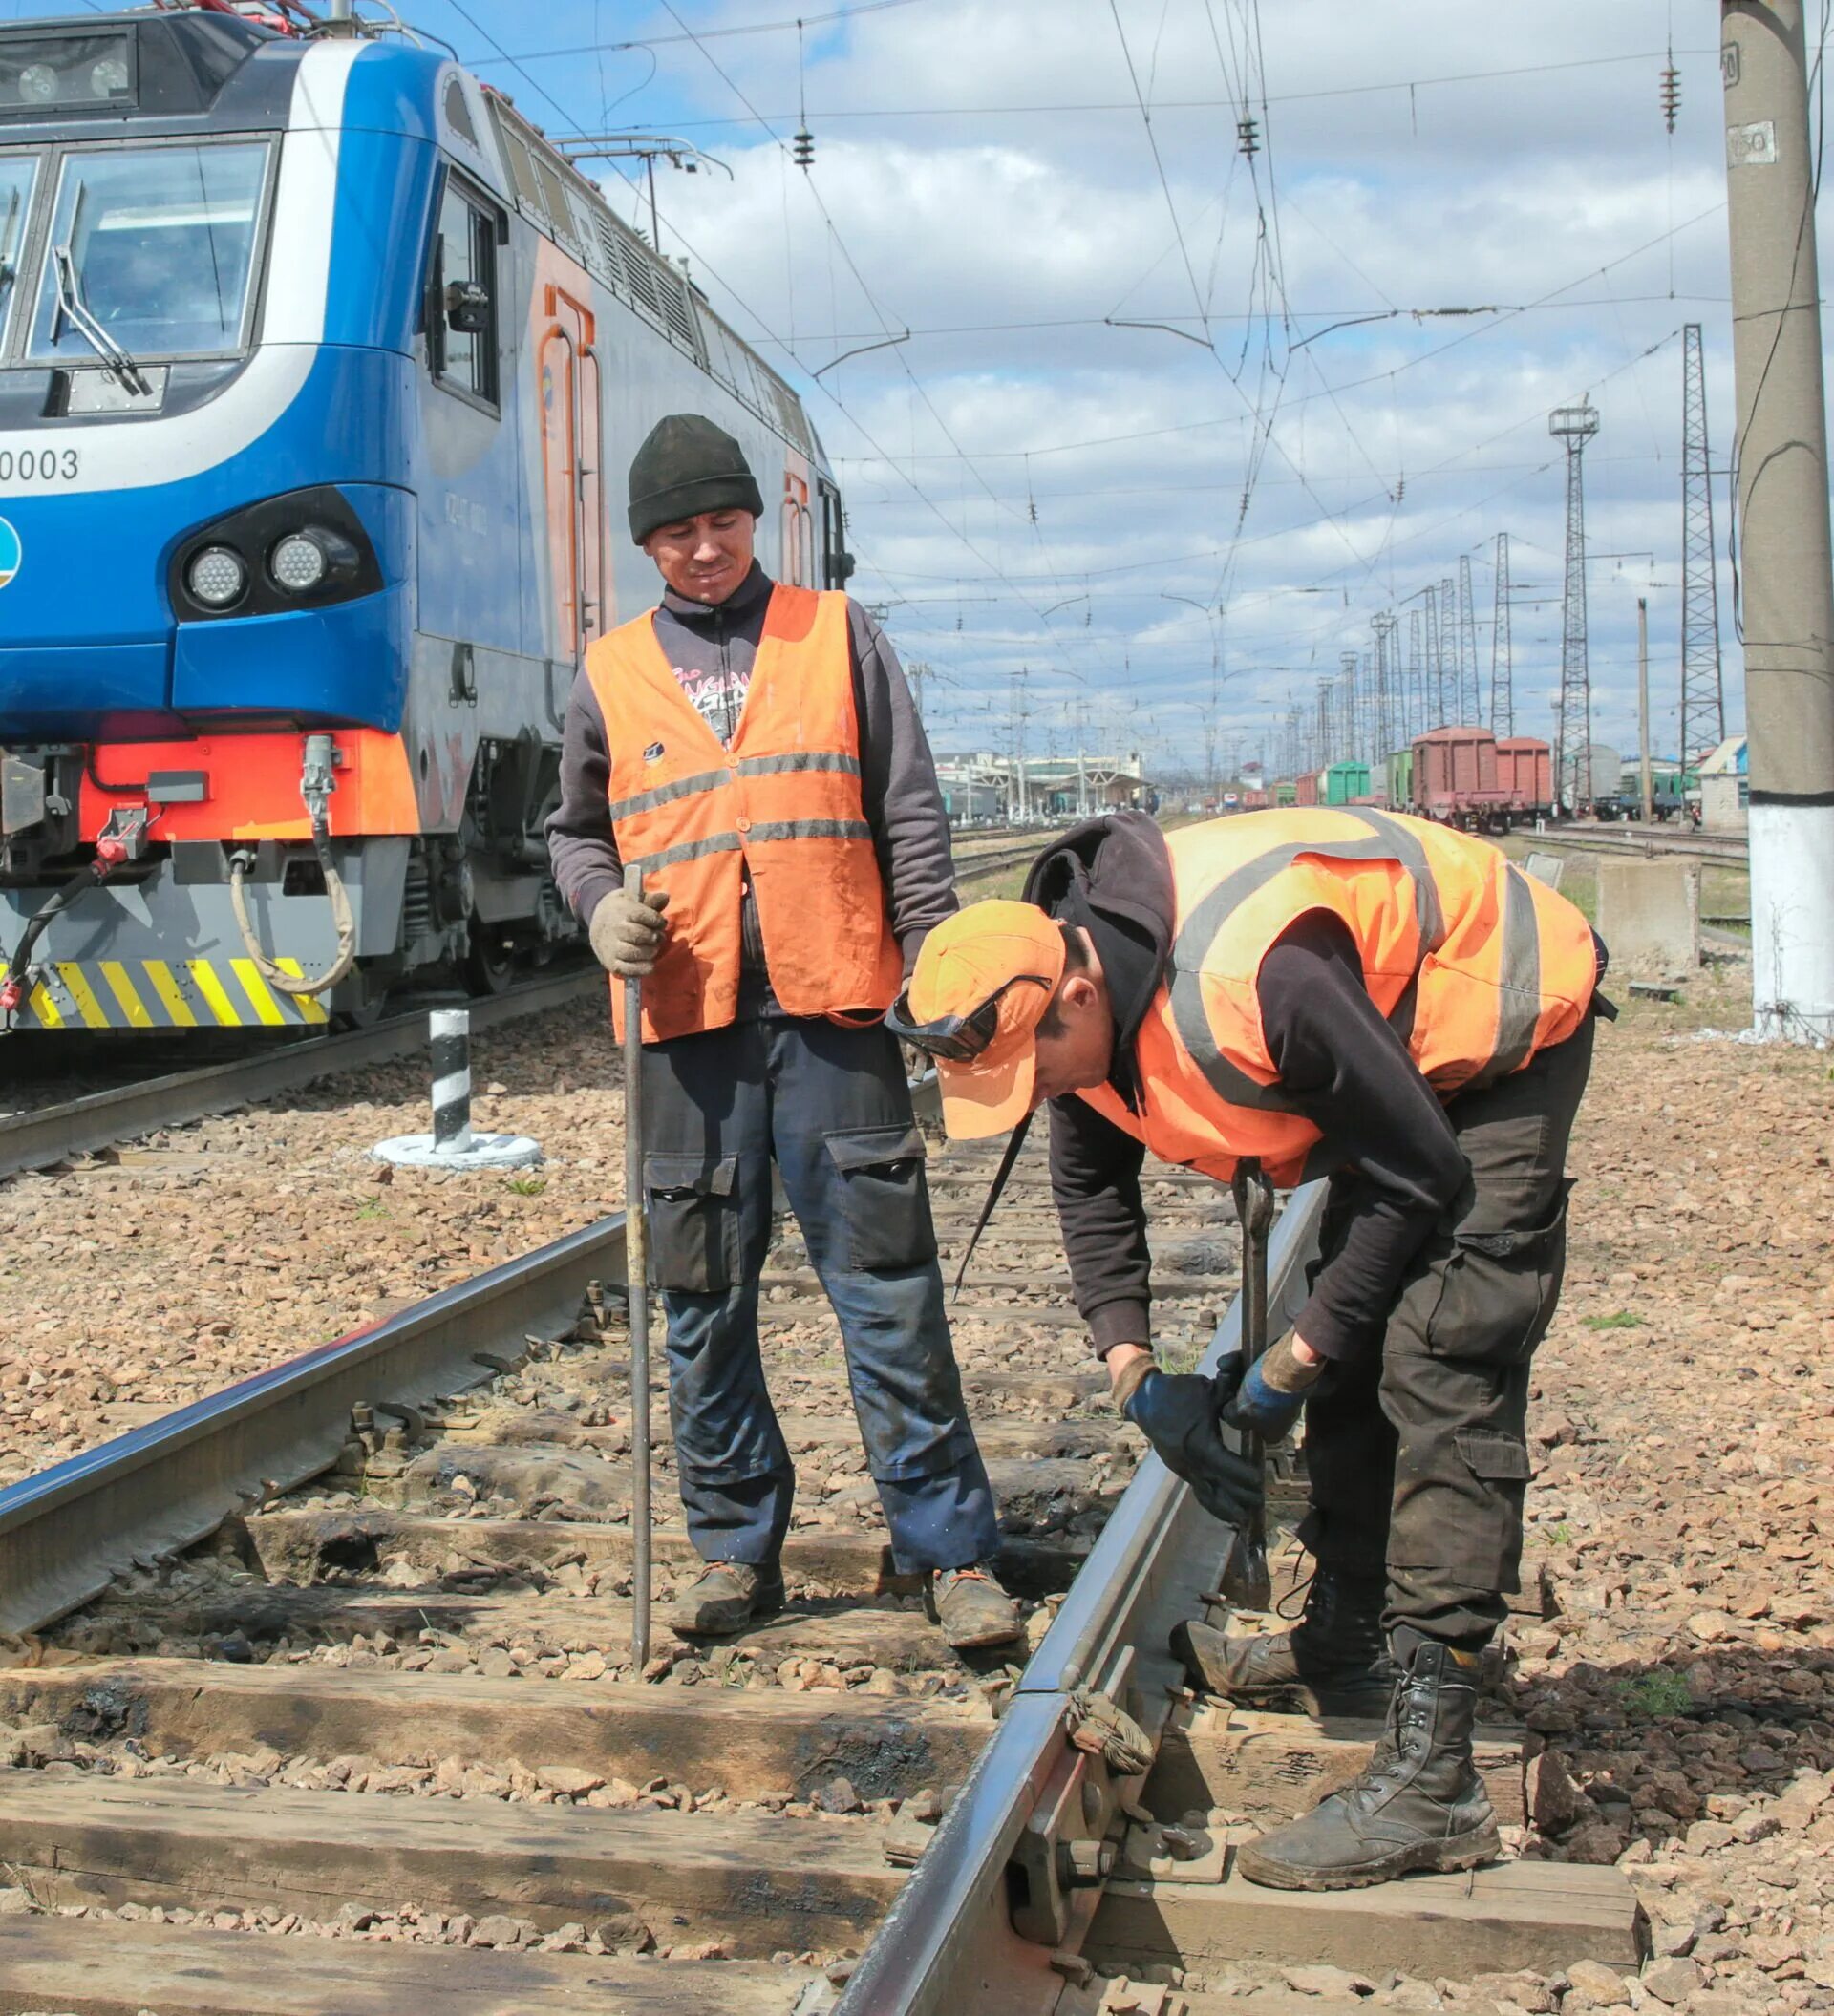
(976, 996)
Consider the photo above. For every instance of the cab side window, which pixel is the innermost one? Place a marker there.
(461, 297)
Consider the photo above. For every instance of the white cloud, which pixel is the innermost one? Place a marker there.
(1395, 445)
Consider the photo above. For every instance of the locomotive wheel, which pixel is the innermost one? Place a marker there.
(489, 965)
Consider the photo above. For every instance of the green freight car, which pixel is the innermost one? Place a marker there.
(1401, 780)
(1286, 794)
(1346, 782)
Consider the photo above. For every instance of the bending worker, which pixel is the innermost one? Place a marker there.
(752, 747)
(1322, 990)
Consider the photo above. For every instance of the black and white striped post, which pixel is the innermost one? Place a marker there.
(451, 1034)
(453, 1143)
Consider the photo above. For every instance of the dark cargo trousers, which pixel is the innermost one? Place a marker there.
(831, 1108)
(1418, 1454)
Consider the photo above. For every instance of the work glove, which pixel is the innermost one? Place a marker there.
(1178, 1412)
(626, 932)
(1270, 1399)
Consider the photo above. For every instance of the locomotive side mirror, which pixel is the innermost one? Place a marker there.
(468, 308)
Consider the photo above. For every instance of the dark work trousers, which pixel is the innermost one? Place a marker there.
(1418, 1454)
(830, 1106)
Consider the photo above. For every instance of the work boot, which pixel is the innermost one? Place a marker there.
(971, 1607)
(726, 1598)
(1335, 1657)
(1419, 1804)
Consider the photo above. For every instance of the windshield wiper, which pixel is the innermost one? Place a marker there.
(72, 308)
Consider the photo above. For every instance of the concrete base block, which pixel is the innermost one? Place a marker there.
(1649, 914)
(1546, 868)
(1720, 810)
(477, 1150)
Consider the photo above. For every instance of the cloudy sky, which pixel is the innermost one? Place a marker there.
(1172, 426)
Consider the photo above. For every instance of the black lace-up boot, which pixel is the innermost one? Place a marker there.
(1335, 1656)
(1418, 1805)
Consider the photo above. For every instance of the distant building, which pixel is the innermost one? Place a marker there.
(985, 786)
(1725, 791)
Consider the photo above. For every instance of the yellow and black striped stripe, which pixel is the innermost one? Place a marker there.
(160, 994)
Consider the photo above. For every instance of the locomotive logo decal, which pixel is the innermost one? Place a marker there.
(11, 552)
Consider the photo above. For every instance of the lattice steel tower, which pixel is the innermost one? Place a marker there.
(1576, 425)
(1703, 700)
(1502, 683)
(1470, 696)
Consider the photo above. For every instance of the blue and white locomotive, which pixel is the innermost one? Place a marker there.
(316, 361)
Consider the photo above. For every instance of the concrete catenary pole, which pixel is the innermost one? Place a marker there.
(1648, 807)
(1780, 459)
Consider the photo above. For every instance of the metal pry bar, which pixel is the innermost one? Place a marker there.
(636, 1254)
(1245, 1579)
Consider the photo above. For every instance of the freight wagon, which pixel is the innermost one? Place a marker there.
(1399, 770)
(1594, 783)
(1346, 784)
(1465, 777)
(1305, 789)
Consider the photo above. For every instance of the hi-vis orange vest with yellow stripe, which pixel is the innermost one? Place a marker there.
(1476, 966)
(780, 808)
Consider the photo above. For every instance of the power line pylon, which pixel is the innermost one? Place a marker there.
(1388, 681)
(1415, 696)
(1575, 426)
(1704, 701)
(1433, 691)
(1502, 681)
(1451, 655)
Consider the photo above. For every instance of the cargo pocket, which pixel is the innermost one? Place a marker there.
(1487, 1546)
(885, 1198)
(1498, 1291)
(694, 1221)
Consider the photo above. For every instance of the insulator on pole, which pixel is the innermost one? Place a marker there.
(1248, 134)
(1671, 92)
(803, 148)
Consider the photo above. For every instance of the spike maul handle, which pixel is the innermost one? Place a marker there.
(636, 1267)
(1246, 1580)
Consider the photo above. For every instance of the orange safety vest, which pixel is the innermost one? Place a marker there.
(782, 809)
(1476, 966)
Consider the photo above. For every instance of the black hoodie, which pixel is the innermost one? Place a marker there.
(1342, 1066)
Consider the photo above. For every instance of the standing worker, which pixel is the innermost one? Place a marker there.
(1325, 991)
(752, 747)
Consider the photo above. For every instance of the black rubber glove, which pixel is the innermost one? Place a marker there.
(1178, 1414)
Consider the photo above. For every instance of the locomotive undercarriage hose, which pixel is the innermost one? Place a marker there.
(317, 781)
(342, 919)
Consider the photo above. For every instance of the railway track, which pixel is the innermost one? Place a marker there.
(37, 1136)
(1730, 849)
(326, 1703)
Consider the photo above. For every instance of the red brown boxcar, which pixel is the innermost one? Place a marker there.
(1305, 788)
(1525, 771)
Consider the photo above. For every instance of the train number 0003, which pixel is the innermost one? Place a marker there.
(39, 465)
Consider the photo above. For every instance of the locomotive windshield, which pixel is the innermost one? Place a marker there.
(16, 176)
(156, 246)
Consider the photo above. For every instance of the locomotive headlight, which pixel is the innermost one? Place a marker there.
(38, 83)
(298, 563)
(109, 78)
(216, 577)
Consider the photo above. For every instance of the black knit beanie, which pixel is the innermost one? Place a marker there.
(687, 465)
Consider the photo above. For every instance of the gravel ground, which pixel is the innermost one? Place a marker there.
(219, 1249)
(1684, 1505)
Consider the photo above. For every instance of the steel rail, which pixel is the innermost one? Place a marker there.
(33, 1140)
(67, 1531)
(948, 1946)
(1728, 849)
